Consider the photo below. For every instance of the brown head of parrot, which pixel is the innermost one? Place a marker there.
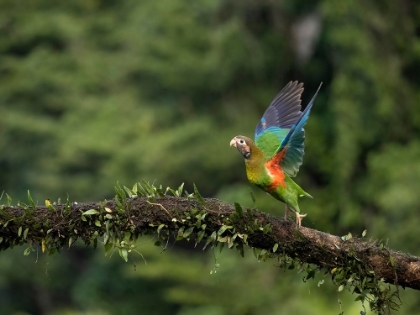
(242, 146)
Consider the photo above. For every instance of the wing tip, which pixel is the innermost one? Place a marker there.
(308, 107)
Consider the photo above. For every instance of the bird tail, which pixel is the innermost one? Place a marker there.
(305, 194)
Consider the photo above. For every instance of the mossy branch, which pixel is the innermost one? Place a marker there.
(363, 266)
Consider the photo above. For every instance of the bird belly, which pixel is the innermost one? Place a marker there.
(268, 180)
(276, 175)
(271, 179)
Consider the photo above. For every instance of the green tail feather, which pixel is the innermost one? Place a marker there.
(305, 194)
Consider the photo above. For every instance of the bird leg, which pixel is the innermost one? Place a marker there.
(286, 213)
(298, 215)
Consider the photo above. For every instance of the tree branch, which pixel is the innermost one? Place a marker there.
(207, 220)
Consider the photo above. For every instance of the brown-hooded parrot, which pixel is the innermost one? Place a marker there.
(277, 152)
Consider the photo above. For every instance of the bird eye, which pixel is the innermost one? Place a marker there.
(242, 141)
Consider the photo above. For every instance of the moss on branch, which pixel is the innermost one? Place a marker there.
(365, 267)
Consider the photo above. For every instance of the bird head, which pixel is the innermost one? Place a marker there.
(243, 145)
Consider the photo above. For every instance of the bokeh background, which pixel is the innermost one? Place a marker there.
(97, 91)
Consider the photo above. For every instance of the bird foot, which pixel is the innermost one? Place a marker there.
(297, 214)
(299, 218)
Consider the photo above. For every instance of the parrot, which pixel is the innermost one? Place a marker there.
(276, 153)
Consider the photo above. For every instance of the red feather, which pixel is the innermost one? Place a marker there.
(275, 171)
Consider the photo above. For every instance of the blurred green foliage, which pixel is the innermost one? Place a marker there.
(97, 91)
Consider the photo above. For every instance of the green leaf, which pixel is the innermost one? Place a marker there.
(340, 288)
(25, 233)
(213, 236)
(221, 230)
(135, 189)
(364, 233)
(238, 209)
(391, 260)
(311, 274)
(240, 248)
(180, 190)
(200, 235)
(359, 298)
(221, 248)
(98, 223)
(149, 187)
(180, 234)
(90, 212)
(128, 191)
(120, 198)
(31, 201)
(267, 228)
(160, 228)
(123, 253)
(198, 224)
(256, 252)
(27, 251)
(230, 242)
(222, 239)
(9, 200)
(188, 232)
(208, 241)
(275, 247)
(108, 247)
(19, 231)
(198, 196)
(347, 237)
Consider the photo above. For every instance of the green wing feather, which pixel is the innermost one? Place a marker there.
(270, 141)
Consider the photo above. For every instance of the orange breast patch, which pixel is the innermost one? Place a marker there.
(275, 171)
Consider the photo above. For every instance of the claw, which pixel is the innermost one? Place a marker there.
(299, 218)
(297, 214)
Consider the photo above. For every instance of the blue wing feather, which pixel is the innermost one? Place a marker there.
(279, 117)
(283, 110)
(294, 142)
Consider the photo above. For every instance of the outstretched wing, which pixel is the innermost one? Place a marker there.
(292, 146)
(279, 118)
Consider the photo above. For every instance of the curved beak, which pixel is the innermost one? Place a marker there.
(233, 142)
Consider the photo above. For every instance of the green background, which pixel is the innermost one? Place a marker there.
(93, 92)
